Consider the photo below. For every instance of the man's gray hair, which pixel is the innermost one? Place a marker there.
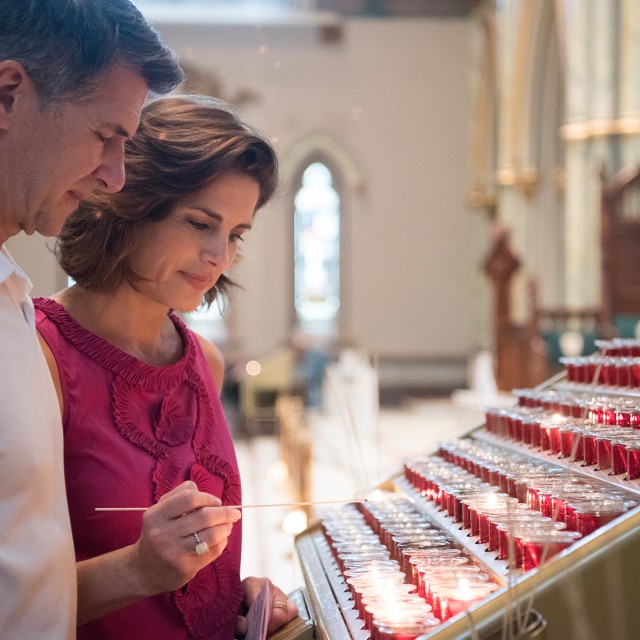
(66, 45)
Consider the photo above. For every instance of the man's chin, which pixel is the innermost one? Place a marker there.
(50, 228)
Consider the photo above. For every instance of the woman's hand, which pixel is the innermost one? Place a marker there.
(165, 556)
(282, 609)
(163, 559)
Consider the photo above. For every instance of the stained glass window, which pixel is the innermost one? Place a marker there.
(317, 250)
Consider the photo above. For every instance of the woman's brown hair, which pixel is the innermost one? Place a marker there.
(182, 145)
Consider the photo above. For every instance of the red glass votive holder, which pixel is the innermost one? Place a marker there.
(456, 599)
(519, 515)
(508, 527)
(623, 372)
(554, 438)
(477, 507)
(589, 449)
(545, 497)
(590, 369)
(529, 422)
(535, 430)
(567, 439)
(578, 409)
(623, 415)
(608, 372)
(522, 488)
(517, 428)
(545, 438)
(420, 566)
(592, 515)
(491, 419)
(609, 411)
(457, 502)
(529, 529)
(596, 412)
(571, 365)
(432, 576)
(619, 454)
(563, 494)
(442, 557)
(484, 524)
(540, 546)
(634, 367)
(523, 396)
(633, 461)
(603, 452)
(533, 497)
(433, 544)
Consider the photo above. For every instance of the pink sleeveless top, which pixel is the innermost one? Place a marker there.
(132, 432)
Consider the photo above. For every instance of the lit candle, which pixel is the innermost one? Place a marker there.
(465, 594)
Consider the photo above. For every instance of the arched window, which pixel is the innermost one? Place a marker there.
(317, 251)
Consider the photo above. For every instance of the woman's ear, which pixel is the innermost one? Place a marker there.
(15, 85)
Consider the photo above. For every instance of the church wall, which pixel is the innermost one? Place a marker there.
(394, 94)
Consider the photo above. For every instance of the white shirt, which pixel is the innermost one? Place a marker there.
(38, 585)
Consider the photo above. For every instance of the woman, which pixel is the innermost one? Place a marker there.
(139, 391)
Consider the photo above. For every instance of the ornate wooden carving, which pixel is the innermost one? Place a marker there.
(620, 231)
(519, 352)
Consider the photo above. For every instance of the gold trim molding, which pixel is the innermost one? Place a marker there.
(525, 179)
(599, 128)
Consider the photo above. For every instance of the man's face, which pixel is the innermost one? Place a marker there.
(63, 153)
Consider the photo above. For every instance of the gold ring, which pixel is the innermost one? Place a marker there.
(201, 546)
(279, 604)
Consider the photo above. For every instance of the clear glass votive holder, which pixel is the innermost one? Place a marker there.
(377, 602)
(433, 576)
(422, 565)
(398, 630)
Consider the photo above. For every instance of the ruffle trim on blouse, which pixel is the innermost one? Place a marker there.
(131, 369)
(231, 492)
(166, 470)
(208, 603)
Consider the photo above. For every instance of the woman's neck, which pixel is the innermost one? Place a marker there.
(127, 320)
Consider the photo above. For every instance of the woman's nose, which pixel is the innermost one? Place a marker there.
(218, 252)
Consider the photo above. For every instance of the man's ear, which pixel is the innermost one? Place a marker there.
(15, 85)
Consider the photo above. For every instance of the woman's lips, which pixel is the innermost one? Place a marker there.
(197, 281)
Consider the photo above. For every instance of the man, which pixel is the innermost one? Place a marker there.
(74, 75)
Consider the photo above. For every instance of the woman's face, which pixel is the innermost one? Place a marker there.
(183, 256)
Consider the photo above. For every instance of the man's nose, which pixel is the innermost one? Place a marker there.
(111, 173)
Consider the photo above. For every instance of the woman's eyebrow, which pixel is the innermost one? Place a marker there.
(216, 216)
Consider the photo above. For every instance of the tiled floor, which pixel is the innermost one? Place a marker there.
(347, 460)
